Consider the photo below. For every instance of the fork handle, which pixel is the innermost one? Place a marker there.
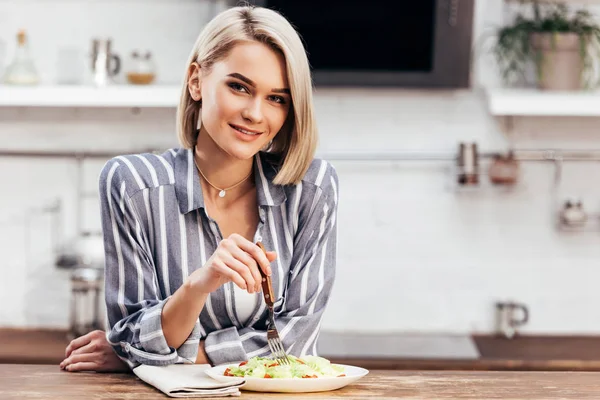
(267, 287)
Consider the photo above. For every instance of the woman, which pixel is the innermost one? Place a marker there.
(180, 229)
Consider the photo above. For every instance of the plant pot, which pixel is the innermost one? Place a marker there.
(560, 62)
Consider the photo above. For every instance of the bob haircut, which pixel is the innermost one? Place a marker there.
(296, 142)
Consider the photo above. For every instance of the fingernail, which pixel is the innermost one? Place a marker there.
(68, 367)
(270, 272)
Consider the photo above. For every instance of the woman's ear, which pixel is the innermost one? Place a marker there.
(195, 81)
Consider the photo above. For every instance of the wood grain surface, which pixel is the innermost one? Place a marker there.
(49, 382)
(523, 353)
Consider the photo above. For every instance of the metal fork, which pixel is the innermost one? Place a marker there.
(277, 349)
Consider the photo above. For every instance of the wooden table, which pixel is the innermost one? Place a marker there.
(523, 353)
(49, 382)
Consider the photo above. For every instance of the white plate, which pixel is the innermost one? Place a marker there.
(291, 385)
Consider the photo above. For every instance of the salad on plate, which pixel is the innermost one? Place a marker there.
(303, 367)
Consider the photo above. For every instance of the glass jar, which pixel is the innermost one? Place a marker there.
(504, 170)
(141, 69)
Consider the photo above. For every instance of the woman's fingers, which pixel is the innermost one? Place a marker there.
(254, 251)
(244, 259)
(82, 366)
(77, 358)
(88, 348)
(242, 269)
(251, 264)
(230, 274)
(271, 256)
(77, 343)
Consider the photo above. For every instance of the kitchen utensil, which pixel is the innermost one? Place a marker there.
(468, 164)
(86, 285)
(277, 349)
(506, 320)
(105, 64)
(85, 250)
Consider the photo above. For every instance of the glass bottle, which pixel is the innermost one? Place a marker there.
(21, 71)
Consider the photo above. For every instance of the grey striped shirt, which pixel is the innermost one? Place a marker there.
(157, 232)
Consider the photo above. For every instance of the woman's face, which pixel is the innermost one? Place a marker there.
(245, 99)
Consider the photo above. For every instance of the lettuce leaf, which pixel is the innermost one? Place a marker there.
(303, 367)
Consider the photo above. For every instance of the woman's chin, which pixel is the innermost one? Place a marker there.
(242, 152)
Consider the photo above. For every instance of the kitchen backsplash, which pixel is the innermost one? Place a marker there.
(414, 254)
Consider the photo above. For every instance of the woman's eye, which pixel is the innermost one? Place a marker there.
(237, 87)
(278, 99)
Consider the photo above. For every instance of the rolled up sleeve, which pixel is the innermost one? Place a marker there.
(133, 301)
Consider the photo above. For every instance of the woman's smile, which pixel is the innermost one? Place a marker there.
(246, 134)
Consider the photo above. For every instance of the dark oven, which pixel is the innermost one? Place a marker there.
(402, 43)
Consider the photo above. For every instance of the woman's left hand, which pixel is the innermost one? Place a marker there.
(92, 352)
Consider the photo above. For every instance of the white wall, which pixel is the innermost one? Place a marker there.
(414, 254)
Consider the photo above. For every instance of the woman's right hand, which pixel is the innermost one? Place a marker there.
(92, 352)
(236, 259)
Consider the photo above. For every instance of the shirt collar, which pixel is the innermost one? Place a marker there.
(189, 191)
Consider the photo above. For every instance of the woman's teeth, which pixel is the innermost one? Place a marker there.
(244, 131)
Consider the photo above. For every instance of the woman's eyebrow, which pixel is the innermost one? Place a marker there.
(251, 82)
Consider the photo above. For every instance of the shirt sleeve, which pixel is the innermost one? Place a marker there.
(133, 301)
(311, 279)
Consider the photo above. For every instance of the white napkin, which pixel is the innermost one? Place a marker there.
(186, 380)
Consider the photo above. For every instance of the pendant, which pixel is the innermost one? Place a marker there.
(222, 193)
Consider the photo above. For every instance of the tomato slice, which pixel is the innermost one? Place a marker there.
(243, 363)
(341, 375)
(267, 376)
(309, 376)
(228, 372)
(273, 365)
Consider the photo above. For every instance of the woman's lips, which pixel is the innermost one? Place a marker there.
(245, 135)
(245, 130)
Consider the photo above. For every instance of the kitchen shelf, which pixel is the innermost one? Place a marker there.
(533, 102)
(90, 96)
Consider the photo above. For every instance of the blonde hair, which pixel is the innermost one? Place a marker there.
(297, 140)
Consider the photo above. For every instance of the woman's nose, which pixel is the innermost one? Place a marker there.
(253, 111)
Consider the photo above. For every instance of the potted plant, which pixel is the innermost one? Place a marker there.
(563, 45)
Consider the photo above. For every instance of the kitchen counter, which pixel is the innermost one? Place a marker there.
(49, 382)
(481, 364)
(525, 353)
(463, 352)
(28, 346)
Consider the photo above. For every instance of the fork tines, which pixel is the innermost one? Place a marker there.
(277, 347)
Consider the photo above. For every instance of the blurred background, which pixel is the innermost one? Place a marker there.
(465, 136)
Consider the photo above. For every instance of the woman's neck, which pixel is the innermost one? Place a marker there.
(220, 171)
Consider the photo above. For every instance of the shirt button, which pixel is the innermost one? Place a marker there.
(127, 347)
